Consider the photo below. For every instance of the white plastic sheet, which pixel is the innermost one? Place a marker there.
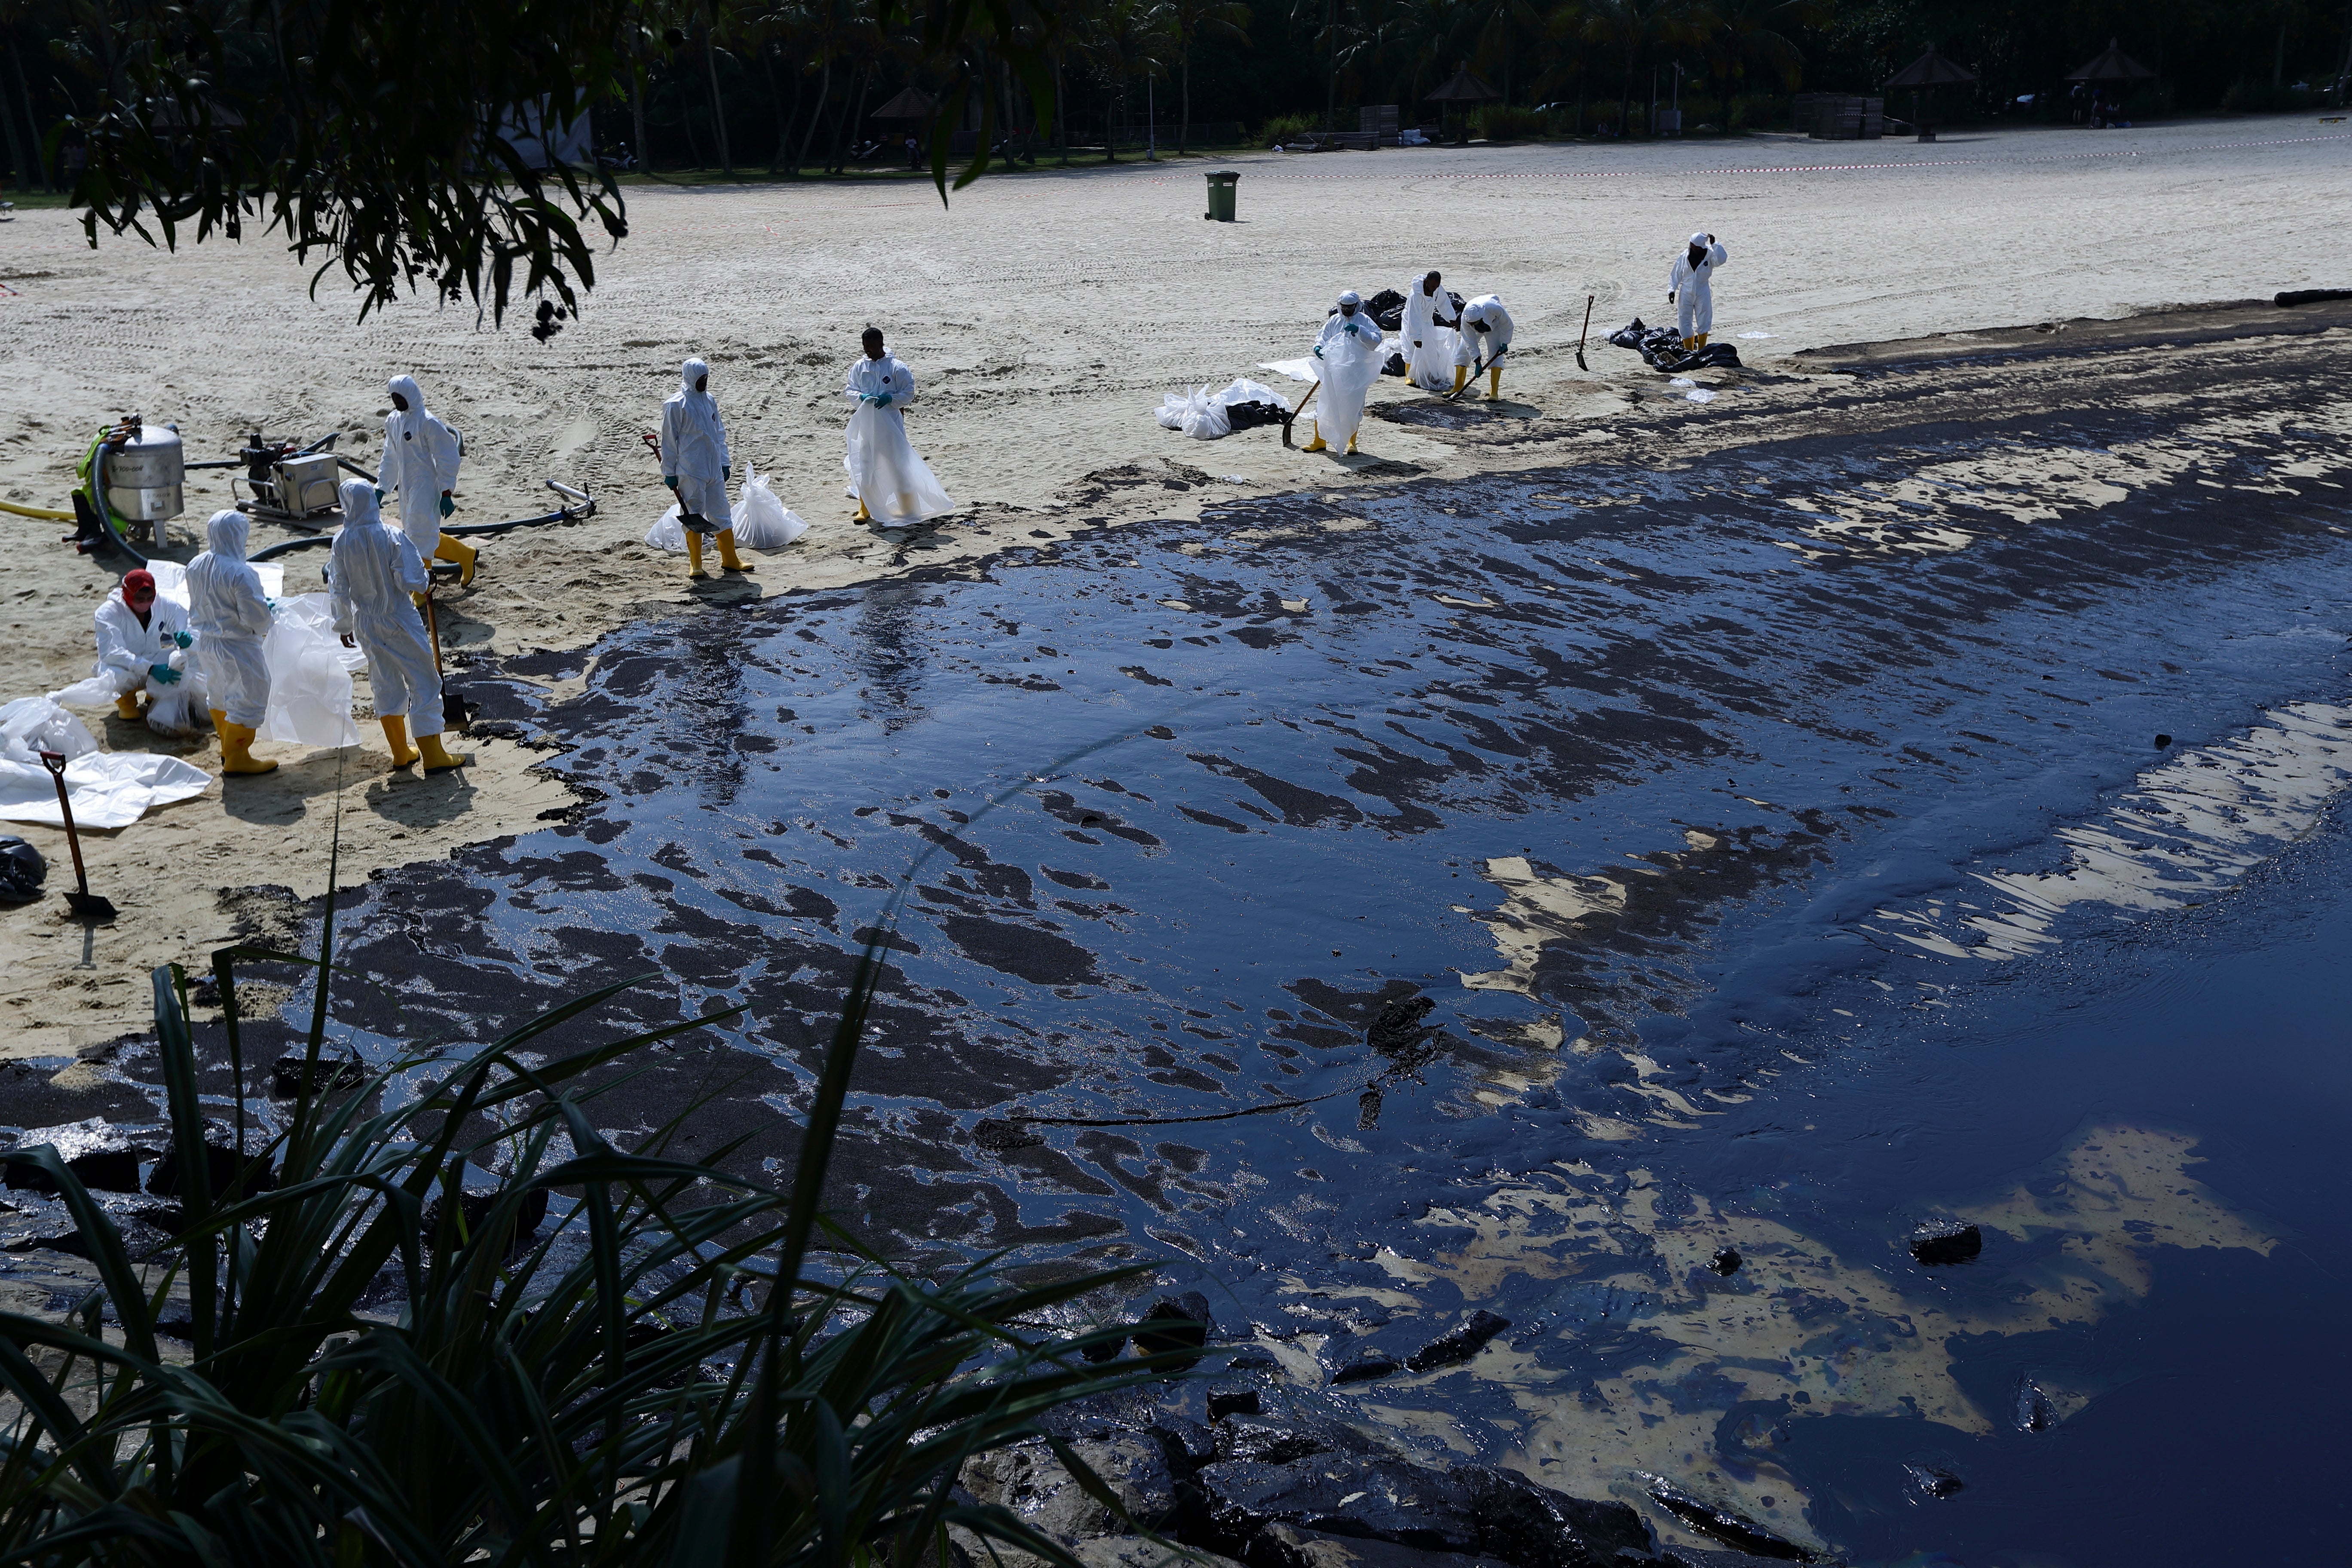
(761, 520)
(1173, 408)
(1246, 391)
(887, 474)
(109, 789)
(309, 676)
(1307, 369)
(670, 534)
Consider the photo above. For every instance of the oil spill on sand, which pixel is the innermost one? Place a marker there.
(1617, 768)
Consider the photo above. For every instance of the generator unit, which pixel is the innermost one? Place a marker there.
(288, 485)
(139, 470)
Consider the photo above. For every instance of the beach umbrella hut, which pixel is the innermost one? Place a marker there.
(1463, 87)
(1929, 71)
(909, 109)
(2109, 69)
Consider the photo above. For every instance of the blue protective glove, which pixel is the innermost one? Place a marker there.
(162, 675)
(670, 480)
(379, 495)
(882, 400)
(447, 506)
(183, 639)
(1351, 329)
(726, 473)
(1318, 351)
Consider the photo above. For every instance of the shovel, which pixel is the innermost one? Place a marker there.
(85, 904)
(454, 715)
(1469, 381)
(1299, 410)
(1583, 335)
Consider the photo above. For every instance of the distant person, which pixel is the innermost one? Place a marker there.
(1690, 287)
(1429, 332)
(1348, 361)
(892, 484)
(231, 618)
(421, 455)
(1486, 330)
(696, 464)
(911, 162)
(374, 576)
(137, 635)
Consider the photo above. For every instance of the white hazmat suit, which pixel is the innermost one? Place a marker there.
(420, 462)
(374, 570)
(694, 452)
(892, 484)
(128, 653)
(231, 618)
(1347, 361)
(1428, 348)
(1690, 285)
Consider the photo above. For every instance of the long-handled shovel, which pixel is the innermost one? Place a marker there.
(1583, 335)
(85, 904)
(453, 712)
(1470, 381)
(1299, 410)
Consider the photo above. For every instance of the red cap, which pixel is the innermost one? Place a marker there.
(138, 583)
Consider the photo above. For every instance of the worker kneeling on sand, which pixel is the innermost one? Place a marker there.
(1690, 287)
(231, 618)
(420, 465)
(137, 635)
(696, 464)
(1430, 337)
(1486, 330)
(376, 574)
(1348, 359)
(893, 485)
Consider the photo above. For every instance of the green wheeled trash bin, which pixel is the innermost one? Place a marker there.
(1220, 195)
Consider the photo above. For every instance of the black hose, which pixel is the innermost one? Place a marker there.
(582, 513)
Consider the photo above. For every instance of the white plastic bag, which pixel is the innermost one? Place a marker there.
(108, 789)
(668, 533)
(310, 681)
(763, 522)
(1173, 407)
(1204, 417)
(1243, 390)
(886, 473)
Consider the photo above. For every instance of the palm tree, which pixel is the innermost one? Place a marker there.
(1190, 20)
(1631, 26)
(1123, 39)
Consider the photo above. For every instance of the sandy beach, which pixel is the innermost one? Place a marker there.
(1044, 315)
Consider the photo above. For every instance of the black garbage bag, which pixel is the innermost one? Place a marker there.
(1395, 365)
(1662, 347)
(22, 869)
(1630, 334)
(1250, 416)
(1387, 308)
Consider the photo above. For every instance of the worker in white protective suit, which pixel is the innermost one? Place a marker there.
(1487, 332)
(420, 467)
(1347, 361)
(374, 575)
(696, 464)
(231, 618)
(1690, 287)
(137, 635)
(892, 484)
(1429, 335)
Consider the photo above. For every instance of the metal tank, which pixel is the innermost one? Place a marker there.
(143, 473)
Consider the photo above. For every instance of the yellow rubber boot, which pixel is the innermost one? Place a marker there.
(220, 728)
(1352, 446)
(1461, 377)
(127, 706)
(419, 600)
(693, 554)
(465, 555)
(236, 751)
(1493, 383)
(862, 515)
(435, 758)
(727, 556)
(1319, 444)
(1699, 342)
(395, 737)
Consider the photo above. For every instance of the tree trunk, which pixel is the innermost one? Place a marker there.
(637, 100)
(32, 120)
(2278, 57)
(16, 159)
(1061, 111)
(1332, 72)
(1184, 124)
(776, 107)
(718, 108)
(816, 115)
(833, 160)
(857, 112)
